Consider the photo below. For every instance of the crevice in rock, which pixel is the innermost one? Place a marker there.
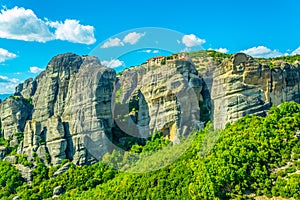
(70, 146)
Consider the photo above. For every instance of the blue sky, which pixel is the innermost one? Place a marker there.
(33, 31)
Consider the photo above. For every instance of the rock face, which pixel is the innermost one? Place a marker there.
(14, 113)
(26, 89)
(3, 152)
(11, 159)
(26, 172)
(72, 110)
(57, 191)
(166, 98)
(242, 86)
(62, 170)
(76, 109)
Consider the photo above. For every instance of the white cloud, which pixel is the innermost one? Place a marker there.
(296, 51)
(35, 69)
(222, 50)
(150, 51)
(133, 38)
(4, 79)
(192, 40)
(23, 24)
(7, 85)
(113, 63)
(262, 52)
(6, 55)
(72, 31)
(112, 42)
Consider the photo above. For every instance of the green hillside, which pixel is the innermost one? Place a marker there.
(254, 156)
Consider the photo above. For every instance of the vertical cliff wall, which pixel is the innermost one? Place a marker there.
(164, 97)
(70, 114)
(242, 86)
(76, 109)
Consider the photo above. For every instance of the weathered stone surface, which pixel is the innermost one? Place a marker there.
(26, 89)
(57, 191)
(53, 85)
(55, 140)
(88, 116)
(75, 107)
(164, 98)
(72, 110)
(3, 152)
(57, 150)
(33, 136)
(242, 86)
(26, 172)
(11, 159)
(14, 112)
(42, 152)
(62, 170)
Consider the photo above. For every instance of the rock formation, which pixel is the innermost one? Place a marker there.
(57, 191)
(242, 86)
(26, 89)
(76, 109)
(3, 152)
(71, 111)
(166, 98)
(14, 113)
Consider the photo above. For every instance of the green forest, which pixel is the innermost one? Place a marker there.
(255, 156)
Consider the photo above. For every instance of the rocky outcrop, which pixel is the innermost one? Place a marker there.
(25, 172)
(3, 151)
(242, 86)
(80, 108)
(62, 170)
(26, 89)
(14, 112)
(72, 110)
(11, 159)
(76, 103)
(57, 191)
(165, 98)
